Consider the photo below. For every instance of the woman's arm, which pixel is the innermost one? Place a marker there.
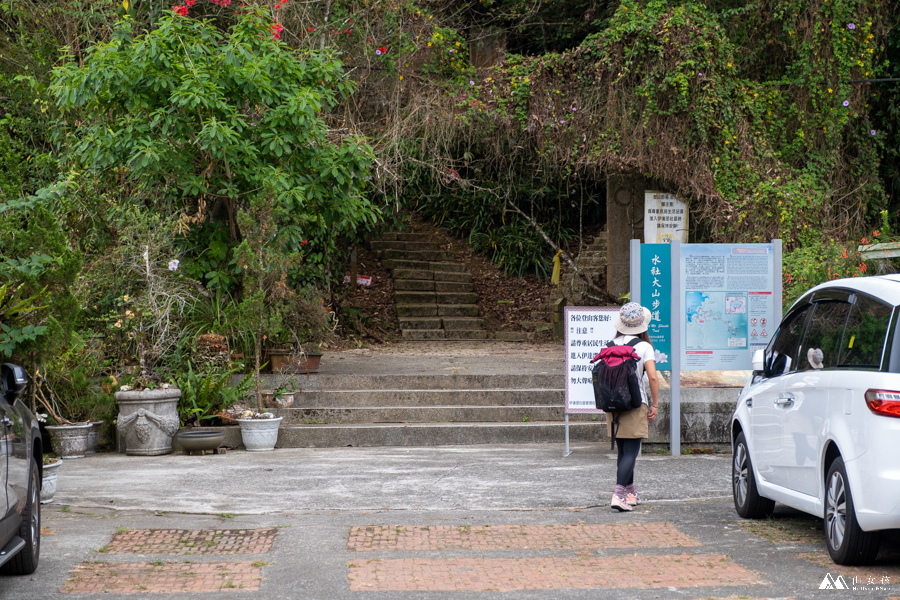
(650, 370)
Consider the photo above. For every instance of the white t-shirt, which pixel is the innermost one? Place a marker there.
(646, 352)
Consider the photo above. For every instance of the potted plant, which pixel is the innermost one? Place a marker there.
(148, 406)
(72, 402)
(205, 395)
(49, 478)
(264, 264)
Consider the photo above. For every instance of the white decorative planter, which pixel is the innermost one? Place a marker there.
(48, 482)
(94, 437)
(259, 435)
(147, 420)
(69, 441)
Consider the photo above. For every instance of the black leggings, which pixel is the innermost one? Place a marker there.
(629, 448)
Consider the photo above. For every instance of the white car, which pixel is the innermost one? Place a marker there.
(818, 426)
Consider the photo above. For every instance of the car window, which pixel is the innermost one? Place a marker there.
(823, 336)
(863, 341)
(781, 355)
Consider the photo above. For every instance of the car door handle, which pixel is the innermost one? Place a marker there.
(786, 399)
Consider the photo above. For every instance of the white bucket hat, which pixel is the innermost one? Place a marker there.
(632, 319)
(815, 357)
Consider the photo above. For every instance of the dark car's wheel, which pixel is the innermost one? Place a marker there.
(747, 501)
(26, 561)
(847, 543)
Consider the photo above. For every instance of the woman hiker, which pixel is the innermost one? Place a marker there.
(632, 322)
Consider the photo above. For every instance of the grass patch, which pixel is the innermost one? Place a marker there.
(787, 530)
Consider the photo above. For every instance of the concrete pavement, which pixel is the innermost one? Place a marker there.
(517, 521)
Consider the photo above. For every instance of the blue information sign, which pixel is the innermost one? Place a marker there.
(656, 286)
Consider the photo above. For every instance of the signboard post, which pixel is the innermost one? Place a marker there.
(717, 303)
(587, 330)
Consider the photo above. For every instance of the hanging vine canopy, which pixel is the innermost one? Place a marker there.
(752, 113)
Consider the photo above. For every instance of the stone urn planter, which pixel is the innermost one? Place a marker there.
(69, 441)
(259, 435)
(94, 437)
(48, 481)
(148, 419)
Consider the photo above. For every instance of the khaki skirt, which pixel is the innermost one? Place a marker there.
(632, 423)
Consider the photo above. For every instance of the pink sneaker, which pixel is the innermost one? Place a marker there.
(632, 499)
(619, 504)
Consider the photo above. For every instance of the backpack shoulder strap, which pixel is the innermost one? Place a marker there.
(635, 342)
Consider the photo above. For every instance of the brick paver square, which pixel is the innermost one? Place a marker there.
(547, 573)
(192, 541)
(162, 578)
(517, 537)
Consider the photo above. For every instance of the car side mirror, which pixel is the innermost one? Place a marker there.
(12, 381)
(758, 362)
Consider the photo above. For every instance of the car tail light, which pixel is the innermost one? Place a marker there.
(884, 402)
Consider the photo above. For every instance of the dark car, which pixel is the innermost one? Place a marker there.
(20, 474)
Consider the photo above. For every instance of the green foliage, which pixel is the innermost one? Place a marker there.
(204, 395)
(816, 262)
(37, 264)
(193, 121)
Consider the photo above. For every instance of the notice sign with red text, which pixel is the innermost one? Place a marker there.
(587, 330)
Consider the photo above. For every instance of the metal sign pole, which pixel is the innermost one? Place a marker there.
(634, 286)
(677, 321)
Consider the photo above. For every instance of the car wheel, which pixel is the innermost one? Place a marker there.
(26, 561)
(847, 543)
(747, 501)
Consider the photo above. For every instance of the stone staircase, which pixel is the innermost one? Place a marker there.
(592, 263)
(435, 297)
(406, 409)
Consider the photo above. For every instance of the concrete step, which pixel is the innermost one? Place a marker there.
(420, 323)
(455, 310)
(416, 255)
(392, 381)
(424, 334)
(419, 310)
(425, 397)
(458, 277)
(420, 414)
(412, 274)
(404, 236)
(414, 285)
(457, 287)
(436, 266)
(461, 323)
(381, 245)
(456, 298)
(428, 275)
(401, 297)
(427, 285)
(430, 434)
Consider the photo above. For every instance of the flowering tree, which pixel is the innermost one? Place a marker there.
(193, 121)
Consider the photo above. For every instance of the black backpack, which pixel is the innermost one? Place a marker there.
(616, 386)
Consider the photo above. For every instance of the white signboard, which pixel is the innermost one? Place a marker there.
(729, 304)
(665, 218)
(587, 330)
